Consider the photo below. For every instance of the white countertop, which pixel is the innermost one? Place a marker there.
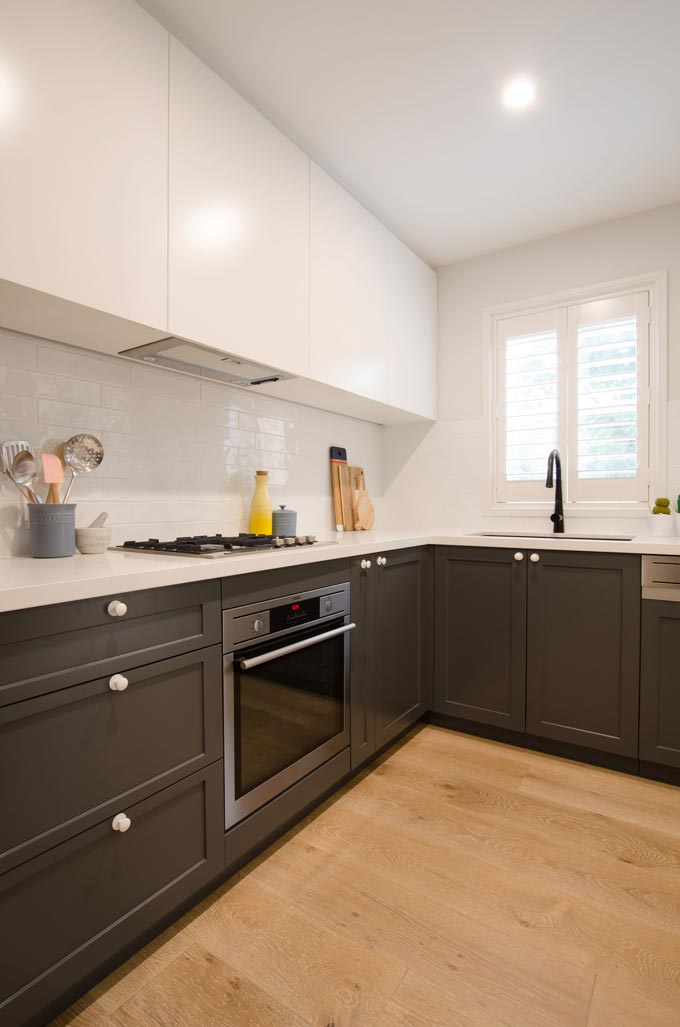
(25, 582)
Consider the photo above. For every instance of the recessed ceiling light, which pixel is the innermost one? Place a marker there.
(520, 92)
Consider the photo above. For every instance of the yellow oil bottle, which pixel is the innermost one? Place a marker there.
(261, 506)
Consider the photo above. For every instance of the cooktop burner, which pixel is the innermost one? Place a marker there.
(215, 546)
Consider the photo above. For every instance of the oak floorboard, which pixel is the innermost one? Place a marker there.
(199, 988)
(457, 883)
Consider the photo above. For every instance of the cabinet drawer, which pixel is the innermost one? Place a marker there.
(52, 647)
(66, 912)
(74, 752)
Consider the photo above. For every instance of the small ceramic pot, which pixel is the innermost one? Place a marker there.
(660, 525)
(92, 540)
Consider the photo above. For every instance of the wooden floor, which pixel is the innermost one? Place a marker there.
(460, 882)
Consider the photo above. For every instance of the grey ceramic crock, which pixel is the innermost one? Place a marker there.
(53, 529)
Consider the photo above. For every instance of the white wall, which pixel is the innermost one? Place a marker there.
(438, 475)
(180, 455)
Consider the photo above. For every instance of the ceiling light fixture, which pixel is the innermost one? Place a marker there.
(519, 93)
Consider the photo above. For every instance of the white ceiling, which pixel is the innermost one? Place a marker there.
(399, 100)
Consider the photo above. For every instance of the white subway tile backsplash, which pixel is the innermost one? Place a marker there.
(19, 407)
(66, 360)
(165, 383)
(180, 455)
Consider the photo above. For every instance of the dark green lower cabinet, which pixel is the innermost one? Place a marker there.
(660, 684)
(480, 633)
(391, 647)
(583, 649)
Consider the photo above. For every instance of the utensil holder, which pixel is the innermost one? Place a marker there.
(53, 529)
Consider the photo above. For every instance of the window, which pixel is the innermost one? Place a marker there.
(576, 376)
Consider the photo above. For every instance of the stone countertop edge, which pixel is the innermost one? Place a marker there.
(25, 582)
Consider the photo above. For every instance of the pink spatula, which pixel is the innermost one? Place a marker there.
(53, 473)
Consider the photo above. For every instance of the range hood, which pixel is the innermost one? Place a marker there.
(202, 362)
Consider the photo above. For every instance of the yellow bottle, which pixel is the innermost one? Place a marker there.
(261, 506)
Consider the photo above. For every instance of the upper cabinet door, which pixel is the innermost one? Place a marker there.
(83, 154)
(411, 331)
(239, 223)
(347, 291)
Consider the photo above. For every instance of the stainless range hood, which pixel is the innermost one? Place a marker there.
(202, 362)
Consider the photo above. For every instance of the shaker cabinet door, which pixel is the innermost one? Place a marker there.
(480, 635)
(659, 686)
(401, 641)
(583, 649)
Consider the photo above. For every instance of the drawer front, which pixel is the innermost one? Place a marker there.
(74, 752)
(53, 647)
(66, 912)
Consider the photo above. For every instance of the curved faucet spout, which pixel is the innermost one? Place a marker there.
(555, 471)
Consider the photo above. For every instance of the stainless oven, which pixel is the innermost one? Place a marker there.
(286, 693)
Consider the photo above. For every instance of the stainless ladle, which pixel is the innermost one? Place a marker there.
(82, 453)
(23, 471)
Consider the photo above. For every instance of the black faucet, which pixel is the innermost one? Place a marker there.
(558, 516)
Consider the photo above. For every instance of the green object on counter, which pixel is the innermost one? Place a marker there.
(661, 501)
(678, 504)
(662, 510)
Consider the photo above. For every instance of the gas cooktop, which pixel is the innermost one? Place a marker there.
(214, 547)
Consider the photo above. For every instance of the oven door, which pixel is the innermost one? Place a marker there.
(286, 711)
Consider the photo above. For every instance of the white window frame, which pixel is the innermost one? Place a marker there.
(656, 285)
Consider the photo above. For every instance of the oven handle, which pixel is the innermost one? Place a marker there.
(306, 643)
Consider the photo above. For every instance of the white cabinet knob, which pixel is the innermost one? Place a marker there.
(121, 822)
(381, 561)
(116, 608)
(365, 565)
(534, 558)
(519, 557)
(118, 683)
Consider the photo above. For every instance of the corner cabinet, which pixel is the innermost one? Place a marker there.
(659, 690)
(83, 119)
(480, 636)
(239, 223)
(541, 642)
(391, 647)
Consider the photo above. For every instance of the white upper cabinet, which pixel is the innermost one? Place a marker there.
(348, 248)
(83, 154)
(239, 223)
(411, 331)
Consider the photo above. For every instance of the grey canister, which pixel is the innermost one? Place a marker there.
(53, 529)
(284, 522)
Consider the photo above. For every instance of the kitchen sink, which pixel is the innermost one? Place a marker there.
(551, 535)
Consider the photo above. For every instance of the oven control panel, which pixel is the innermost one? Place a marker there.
(282, 615)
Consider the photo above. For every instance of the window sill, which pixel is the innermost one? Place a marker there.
(590, 511)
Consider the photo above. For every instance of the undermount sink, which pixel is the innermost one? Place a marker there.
(551, 535)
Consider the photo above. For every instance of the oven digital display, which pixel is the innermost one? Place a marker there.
(294, 613)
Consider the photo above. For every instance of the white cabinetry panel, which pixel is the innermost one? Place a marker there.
(347, 291)
(239, 223)
(83, 154)
(411, 331)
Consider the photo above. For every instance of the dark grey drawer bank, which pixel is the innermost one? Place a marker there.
(53, 647)
(66, 912)
(67, 756)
